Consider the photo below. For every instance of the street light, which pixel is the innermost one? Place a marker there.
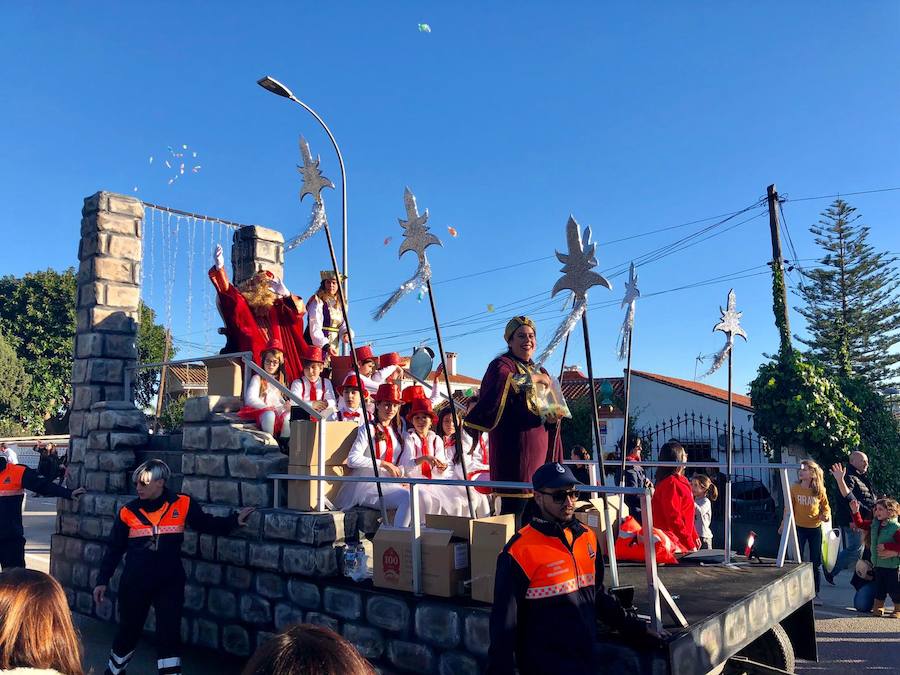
(271, 84)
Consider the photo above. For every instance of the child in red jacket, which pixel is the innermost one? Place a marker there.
(673, 499)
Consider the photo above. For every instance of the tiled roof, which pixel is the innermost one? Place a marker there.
(189, 377)
(575, 388)
(697, 388)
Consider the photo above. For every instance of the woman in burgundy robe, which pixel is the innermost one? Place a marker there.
(507, 409)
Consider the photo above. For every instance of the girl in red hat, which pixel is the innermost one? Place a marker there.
(350, 408)
(477, 461)
(312, 387)
(265, 404)
(389, 456)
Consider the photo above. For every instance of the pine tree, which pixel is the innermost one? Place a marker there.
(851, 309)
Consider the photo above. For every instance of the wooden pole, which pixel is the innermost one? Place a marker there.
(777, 259)
(161, 392)
(456, 422)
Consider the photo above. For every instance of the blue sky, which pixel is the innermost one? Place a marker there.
(503, 120)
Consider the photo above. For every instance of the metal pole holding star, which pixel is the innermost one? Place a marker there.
(731, 326)
(416, 238)
(631, 295)
(312, 184)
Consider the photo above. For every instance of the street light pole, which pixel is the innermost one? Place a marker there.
(271, 84)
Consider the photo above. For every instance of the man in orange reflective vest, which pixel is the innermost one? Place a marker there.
(548, 590)
(14, 480)
(148, 532)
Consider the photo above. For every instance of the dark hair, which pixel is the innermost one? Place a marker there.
(711, 490)
(306, 649)
(672, 451)
(579, 452)
(36, 629)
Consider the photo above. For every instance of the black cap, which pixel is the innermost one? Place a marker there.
(553, 475)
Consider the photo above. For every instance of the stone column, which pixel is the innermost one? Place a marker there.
(254, 249)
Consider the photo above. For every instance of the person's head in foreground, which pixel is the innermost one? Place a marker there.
(150, 478)
(306, 649)
(554, 492)
(520, 337)
(36, 628)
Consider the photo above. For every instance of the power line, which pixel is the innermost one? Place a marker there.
(840, 194)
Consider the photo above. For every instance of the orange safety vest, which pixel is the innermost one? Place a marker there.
(11, 480)
(552, 569)
(168, 519)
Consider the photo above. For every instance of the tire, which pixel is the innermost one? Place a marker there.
(772, 648)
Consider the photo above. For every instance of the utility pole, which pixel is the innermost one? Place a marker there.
(783, 322)
(161, 392)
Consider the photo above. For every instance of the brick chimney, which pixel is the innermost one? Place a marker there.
(451, 363)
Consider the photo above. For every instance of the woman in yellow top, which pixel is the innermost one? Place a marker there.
(810, 511)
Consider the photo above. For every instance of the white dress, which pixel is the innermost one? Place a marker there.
(478, 469)
(447, 499)
(377, 378)
(320, 390)
(271, 398)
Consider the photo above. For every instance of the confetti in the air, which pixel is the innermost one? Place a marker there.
(424, 28)
(135, 188)
(151, 159)
(387, 240)
(168, 165)
(196, 169)
(490, 308)
(452, 231)
(175, 161)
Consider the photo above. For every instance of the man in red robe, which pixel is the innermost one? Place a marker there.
(260, 310)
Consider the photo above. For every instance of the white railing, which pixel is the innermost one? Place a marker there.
(656, 589)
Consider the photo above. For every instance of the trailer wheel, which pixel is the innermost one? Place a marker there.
(772, 648)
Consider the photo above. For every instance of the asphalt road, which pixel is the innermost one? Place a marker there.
(848, 641)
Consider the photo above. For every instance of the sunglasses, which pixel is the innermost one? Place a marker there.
(561, 497)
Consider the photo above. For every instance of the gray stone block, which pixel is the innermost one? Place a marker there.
(121, 440)
(80, 575)
(84, 602)
(287, 615)
(224, 492)
(90, 528)
(256, 494)
(342, 602)
(265, 556)
(197, 409)
(256, 467)
(208, 574)
(222, 603)
(188, 567)
(368, 641)
(196, 437)
(252, 529)
(198, 488)
(411, 656)
(61, 570)
(300, 560)
(121, 347)
(68, 524)
(95, 481)
(304, 594)
(238, 578)
(320, 619)
(189, 543)
(281, 525)
(255, 609)
(236, 640)
(457, 663)
(194, 597)
(115, 461)
(188, 462)
(270, 585)
(91, 460)
(207, 546)
(119, 481)
(105, 505)
(438, 625)
(129, 420)
(477, 632)
(93, 553)
(317, 529)
(74, 548)
(205, 633)
(106, 525)
(233, 551)
(367, 520)
(211, 465)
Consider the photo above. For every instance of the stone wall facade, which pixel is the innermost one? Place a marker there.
(255, 249)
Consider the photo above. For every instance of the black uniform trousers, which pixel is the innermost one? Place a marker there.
(136, 596)
(12, 553)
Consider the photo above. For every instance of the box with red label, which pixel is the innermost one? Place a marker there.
(445, 561)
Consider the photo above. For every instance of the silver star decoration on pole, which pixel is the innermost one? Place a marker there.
(313, 180)
(632, 292)
(416, 236)
(578, 277)
(631, 295)
(731, 326)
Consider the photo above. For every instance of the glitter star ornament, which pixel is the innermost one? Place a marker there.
(730, 324)
(578, 277)
(416, 238)
(632, 293)
(313, 180)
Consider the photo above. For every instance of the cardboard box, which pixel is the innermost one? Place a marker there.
(302, 495)
(444, 561)
(590, 513)
(225, 377)
(304, 445)
(487, 538)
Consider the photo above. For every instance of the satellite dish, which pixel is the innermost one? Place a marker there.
(422, 362)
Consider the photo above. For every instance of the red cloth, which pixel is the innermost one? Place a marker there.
(863, 524)
(250, 413)
(673, 510)
(245, 332)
